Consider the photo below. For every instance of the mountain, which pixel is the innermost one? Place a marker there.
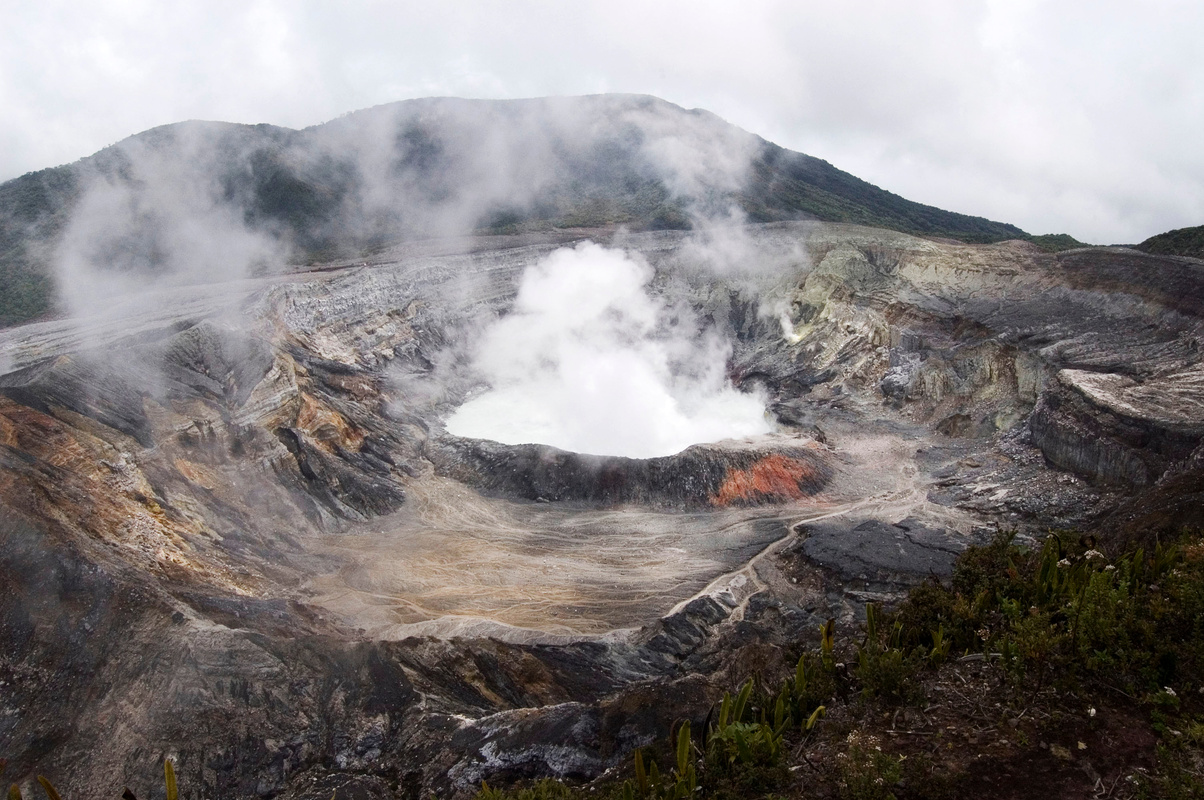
(195, 197)
(239, 531)
(1179, 242)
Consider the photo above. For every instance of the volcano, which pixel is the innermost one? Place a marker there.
(238, 533)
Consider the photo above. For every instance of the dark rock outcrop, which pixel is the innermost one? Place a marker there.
(727, 474)
(1115, 430)
(879, 553)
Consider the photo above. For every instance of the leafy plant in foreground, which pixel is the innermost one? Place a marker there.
(169, 775)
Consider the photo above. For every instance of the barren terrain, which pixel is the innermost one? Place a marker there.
(237, 533)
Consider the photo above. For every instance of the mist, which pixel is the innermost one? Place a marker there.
(154, 213)
(205, 203)
(590, 360)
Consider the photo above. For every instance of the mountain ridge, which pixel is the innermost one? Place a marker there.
(1187, 242)
(414, 169)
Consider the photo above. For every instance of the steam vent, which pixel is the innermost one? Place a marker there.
(367, 467)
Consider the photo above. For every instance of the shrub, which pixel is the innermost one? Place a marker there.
(865, 772)
(884, 669)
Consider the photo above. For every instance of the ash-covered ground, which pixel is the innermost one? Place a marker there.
(238, 534)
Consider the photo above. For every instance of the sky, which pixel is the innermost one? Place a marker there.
(1077, 117)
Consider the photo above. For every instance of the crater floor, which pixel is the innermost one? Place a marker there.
(231, 514)
(455, 563)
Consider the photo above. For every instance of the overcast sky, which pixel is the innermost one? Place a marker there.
(1077, 116)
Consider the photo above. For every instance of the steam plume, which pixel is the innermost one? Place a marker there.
(590, 361)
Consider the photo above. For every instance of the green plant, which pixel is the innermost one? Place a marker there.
(884, 669)
(1062, 613)
(649, 784)
(169, 777)
(827, 644)
(736, 740)
(804, 693)
(48, 788)
(14, 792)
(546, 789)
(744, 744)
(1174, 779)
(865, 771)
(941, 645)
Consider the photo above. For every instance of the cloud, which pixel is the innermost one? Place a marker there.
(588, 360)
(1067, 116)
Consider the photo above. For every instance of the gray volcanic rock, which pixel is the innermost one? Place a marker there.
(236, 535)
(1119, 431)
(349, 785)
(732, 473)
(85, 386)
(881, 553)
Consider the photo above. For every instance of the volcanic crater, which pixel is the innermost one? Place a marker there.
(236, 531)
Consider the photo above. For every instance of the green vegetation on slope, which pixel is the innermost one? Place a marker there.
(33, 212)
(1180, 242)
(1056, 242)
(1022, 646)
(787, 184)
(1034, 672)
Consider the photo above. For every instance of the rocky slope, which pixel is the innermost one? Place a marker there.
(236, 534)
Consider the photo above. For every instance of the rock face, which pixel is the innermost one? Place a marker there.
(1115, 430)
(729, 474)
(1128, 405)
(195, 494)
(879, 553)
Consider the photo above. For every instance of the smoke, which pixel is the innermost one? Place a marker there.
(589, 360)
(168, 221)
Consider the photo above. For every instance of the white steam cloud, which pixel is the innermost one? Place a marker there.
(590, 361)
(157, 218)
